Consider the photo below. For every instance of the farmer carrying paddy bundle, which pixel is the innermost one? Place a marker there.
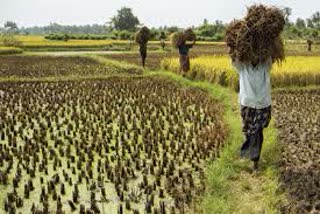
(180, 41)
(309, 43)
(142, 37)
(162, 38)
(254, 45)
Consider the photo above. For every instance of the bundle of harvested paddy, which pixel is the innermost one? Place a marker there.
(189, 35)
(142, 36)
(179, 38)
(257, 37)
(277, 53)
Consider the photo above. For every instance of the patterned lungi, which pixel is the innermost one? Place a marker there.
(143, 53)
(184, 63)
(254, 121)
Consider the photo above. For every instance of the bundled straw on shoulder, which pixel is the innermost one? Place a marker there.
(179, 38)
(142, 36)
(257, 37)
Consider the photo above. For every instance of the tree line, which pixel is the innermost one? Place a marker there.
(124, 24)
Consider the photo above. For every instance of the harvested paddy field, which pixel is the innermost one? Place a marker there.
(153, 60)
(297, 114)
(127, 145)
(53, 66)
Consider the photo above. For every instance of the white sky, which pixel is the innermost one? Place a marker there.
(182, 13)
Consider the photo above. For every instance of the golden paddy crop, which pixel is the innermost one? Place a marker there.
(10, 50)
(294, 71)
(40, 41)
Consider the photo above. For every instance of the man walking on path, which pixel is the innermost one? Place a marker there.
(253, 59)
(255, 101)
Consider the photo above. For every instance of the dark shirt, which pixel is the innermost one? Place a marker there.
(184, 49)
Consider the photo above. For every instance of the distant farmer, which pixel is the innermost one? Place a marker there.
(184, 56)
(309, 42)
(163, 44)
(143, 53)
(253, 59)
(180, 41)
(142, 38)
(162, 40)
(66, 37)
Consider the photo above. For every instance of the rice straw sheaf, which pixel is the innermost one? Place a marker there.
(142, 36)
(179, 38)
(190, 35)
(256, 38)
(278, 54)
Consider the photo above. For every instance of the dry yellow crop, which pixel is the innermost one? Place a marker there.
(40, 41)
(10, 50)
(295, 71)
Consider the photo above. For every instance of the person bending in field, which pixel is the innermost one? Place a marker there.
(184, 57)
(255, 101)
